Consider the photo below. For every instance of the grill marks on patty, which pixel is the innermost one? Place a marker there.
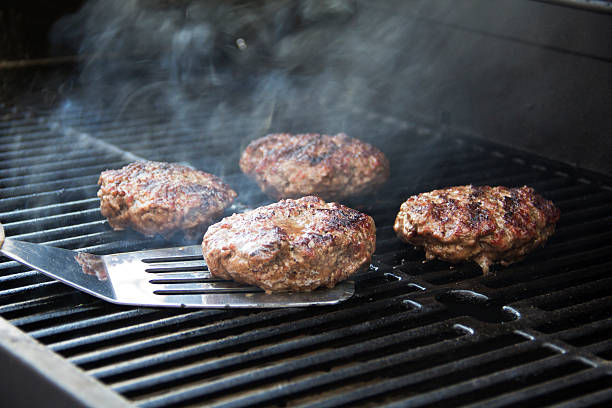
(162, 198)
(483, 224)
(333, 167)
(316, 149)
(295, 245)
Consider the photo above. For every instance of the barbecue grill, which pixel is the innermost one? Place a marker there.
(415, 333)
(419, 334)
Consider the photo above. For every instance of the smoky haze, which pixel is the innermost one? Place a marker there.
(237, 70)
(239, 65)
(244, 68)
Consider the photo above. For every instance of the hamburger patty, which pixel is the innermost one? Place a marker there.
(291, 245)
(162, 198)
(332, 167)
(482, 224)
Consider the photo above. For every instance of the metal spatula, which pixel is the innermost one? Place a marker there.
(175, 277)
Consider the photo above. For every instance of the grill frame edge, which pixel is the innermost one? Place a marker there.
(57, 382)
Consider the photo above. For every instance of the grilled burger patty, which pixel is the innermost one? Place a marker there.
(332, 167)
(482, 224)
(162, 198)
(295, 245)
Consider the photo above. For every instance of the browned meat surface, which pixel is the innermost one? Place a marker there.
(484, 224)
(332, 167)
(292, 245)
(162, 198)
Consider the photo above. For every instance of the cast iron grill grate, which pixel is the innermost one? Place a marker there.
(538, 332)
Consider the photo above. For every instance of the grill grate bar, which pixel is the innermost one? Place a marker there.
(40, 142)
(599, 199)
(422, 373)
(287, 322)
(28, 133)
(575, 295)
(17, 280)
(107, 127)
(71, 112)
(576, 215)
(140, 327)
(103, 126)
(43, 168)
(59, 148)
(586, 332)
(242, 340)
(49, 287)
(497, 178)
(43, 211)
(57, 219)
(572, 193)
(554, 282)
(92, 359)
(600, 348)
(46, 198)
(49, 186)
(16, 122)
(18, 275)
(602, 398)
(364, 351)
(54, 315)
(475, 386)
(20, 162)
(523, 274)
(89, 323)
(68, 231)
(49, 301)
(578, 243)
(252, 374)
(348, 354)
(59, 176)
(158, 135)
(583, 228)
(478, 166)
(556, 320)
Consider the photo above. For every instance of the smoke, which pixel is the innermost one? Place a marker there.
(237, 70)
(236, 61)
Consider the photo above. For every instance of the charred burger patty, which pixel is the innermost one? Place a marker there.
(295, 245)
(482, 224)
(162, 198)
(332, 167)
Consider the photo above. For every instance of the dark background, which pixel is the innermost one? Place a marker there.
(532, 75)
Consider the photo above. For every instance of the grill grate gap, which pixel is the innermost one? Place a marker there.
(594, 289)
(348, 385)
(591, 337)
(569, 393)
(104, 322)
(320, 360)
(525, 380)
(159, 325)
(528, 272)
(581, 316)
(244, 342)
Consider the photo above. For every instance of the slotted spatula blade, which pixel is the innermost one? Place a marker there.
(171, 277)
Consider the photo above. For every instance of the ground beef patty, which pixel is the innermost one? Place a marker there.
(482, 224)
(295, 245)
(332, 167)
(162, 198)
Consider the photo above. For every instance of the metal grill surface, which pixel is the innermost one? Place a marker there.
(420, 334)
